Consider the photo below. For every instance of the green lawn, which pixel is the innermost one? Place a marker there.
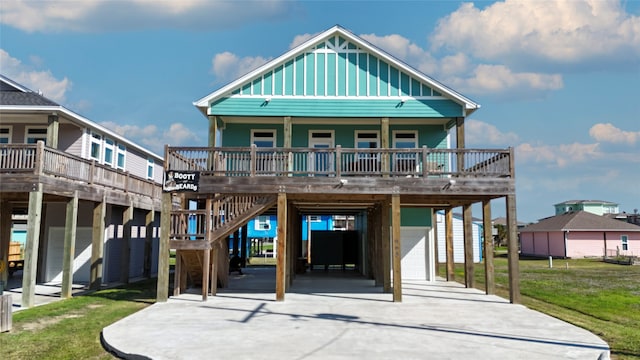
(70, 329)
(602, 298)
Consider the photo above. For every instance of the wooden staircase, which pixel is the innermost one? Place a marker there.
(198, 236)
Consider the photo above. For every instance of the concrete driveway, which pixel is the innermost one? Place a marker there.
(324, 317)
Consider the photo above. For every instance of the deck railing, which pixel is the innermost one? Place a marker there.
(418, 162)
(39, 159)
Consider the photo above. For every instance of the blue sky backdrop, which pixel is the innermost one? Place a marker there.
(557, 80)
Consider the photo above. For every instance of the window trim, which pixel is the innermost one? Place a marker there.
(274, 137)
(624, 239)
(109, 144)
(413, 132)
(121, 149)
(8, 135)
(359, 132)
(95, 138)
(262, 219)
(28, 136)
(150, 168)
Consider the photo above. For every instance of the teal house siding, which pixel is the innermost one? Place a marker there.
(335, 107)
(415, 217)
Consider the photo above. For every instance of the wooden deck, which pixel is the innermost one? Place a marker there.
(61, 174)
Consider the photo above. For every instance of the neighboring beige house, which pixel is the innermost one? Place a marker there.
(80, 186)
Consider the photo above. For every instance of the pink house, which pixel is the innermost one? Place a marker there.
(580, 234)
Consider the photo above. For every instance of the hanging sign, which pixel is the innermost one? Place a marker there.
(181, 181)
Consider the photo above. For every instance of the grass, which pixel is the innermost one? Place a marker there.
(602, 298)
(70, 329)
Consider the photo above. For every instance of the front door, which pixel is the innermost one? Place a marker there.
(321, 162)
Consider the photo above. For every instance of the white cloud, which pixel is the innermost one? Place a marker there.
(103, 15)
(482, 133)
(500, 79)
(609, 133)
(228, 66)
(153, 138)
(550, 31)
(558, 155)
(37, 80)
(405, 50)
(299, 39)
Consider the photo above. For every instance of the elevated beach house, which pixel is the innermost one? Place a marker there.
(335, 126)
(90, 196)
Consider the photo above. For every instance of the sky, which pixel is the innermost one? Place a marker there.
(559, 81)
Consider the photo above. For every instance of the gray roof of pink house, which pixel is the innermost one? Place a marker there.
(580, 221)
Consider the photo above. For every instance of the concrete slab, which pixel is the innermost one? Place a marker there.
(347, 318)
(45, 293)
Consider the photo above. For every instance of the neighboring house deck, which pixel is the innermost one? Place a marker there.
(334, 126)
(81, 187)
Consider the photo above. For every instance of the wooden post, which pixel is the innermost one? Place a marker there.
(385, 246)
(384, 144)
(5, 240)
(460, 144)
(52, 131)
(68, 254)
(434, 227)
(177, 273)
(489, 277)
(448, 226)
(243, 245)
(206, 257)
(397, 246)
(281, 263)
(6, 312)
(213, 130)
(127, 220)
(148, 242)
(162, 290)
(469, 271)
(213, 278)
(97, 243)
(513, 261)
(32, 246)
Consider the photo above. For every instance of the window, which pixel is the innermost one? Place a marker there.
(121, 151)
(314, 218)
(367, 139)
(263, 138)
(35, 134)
(108, 151)
(5, 135)
(262, 223)
(625, 242)
(405, 139)
(96, 146)
(150, 166)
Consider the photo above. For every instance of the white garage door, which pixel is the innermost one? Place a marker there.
(82, 256)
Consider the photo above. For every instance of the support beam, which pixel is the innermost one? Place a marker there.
(148, 242)
(243, 245)
(385, 246)
(206, 258)
(397, 248)
(460, 143)
(69, 252)
(213, 130)
(52, 131)
(5, 238)
(281, 256)
(469, 271)
(384, 143)
(125, 262)
(162, 289)
(213, 277)
(97, 243)
(32, 247)
(448, 226)
(434, 225)
(513, 260)
(489, 276)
